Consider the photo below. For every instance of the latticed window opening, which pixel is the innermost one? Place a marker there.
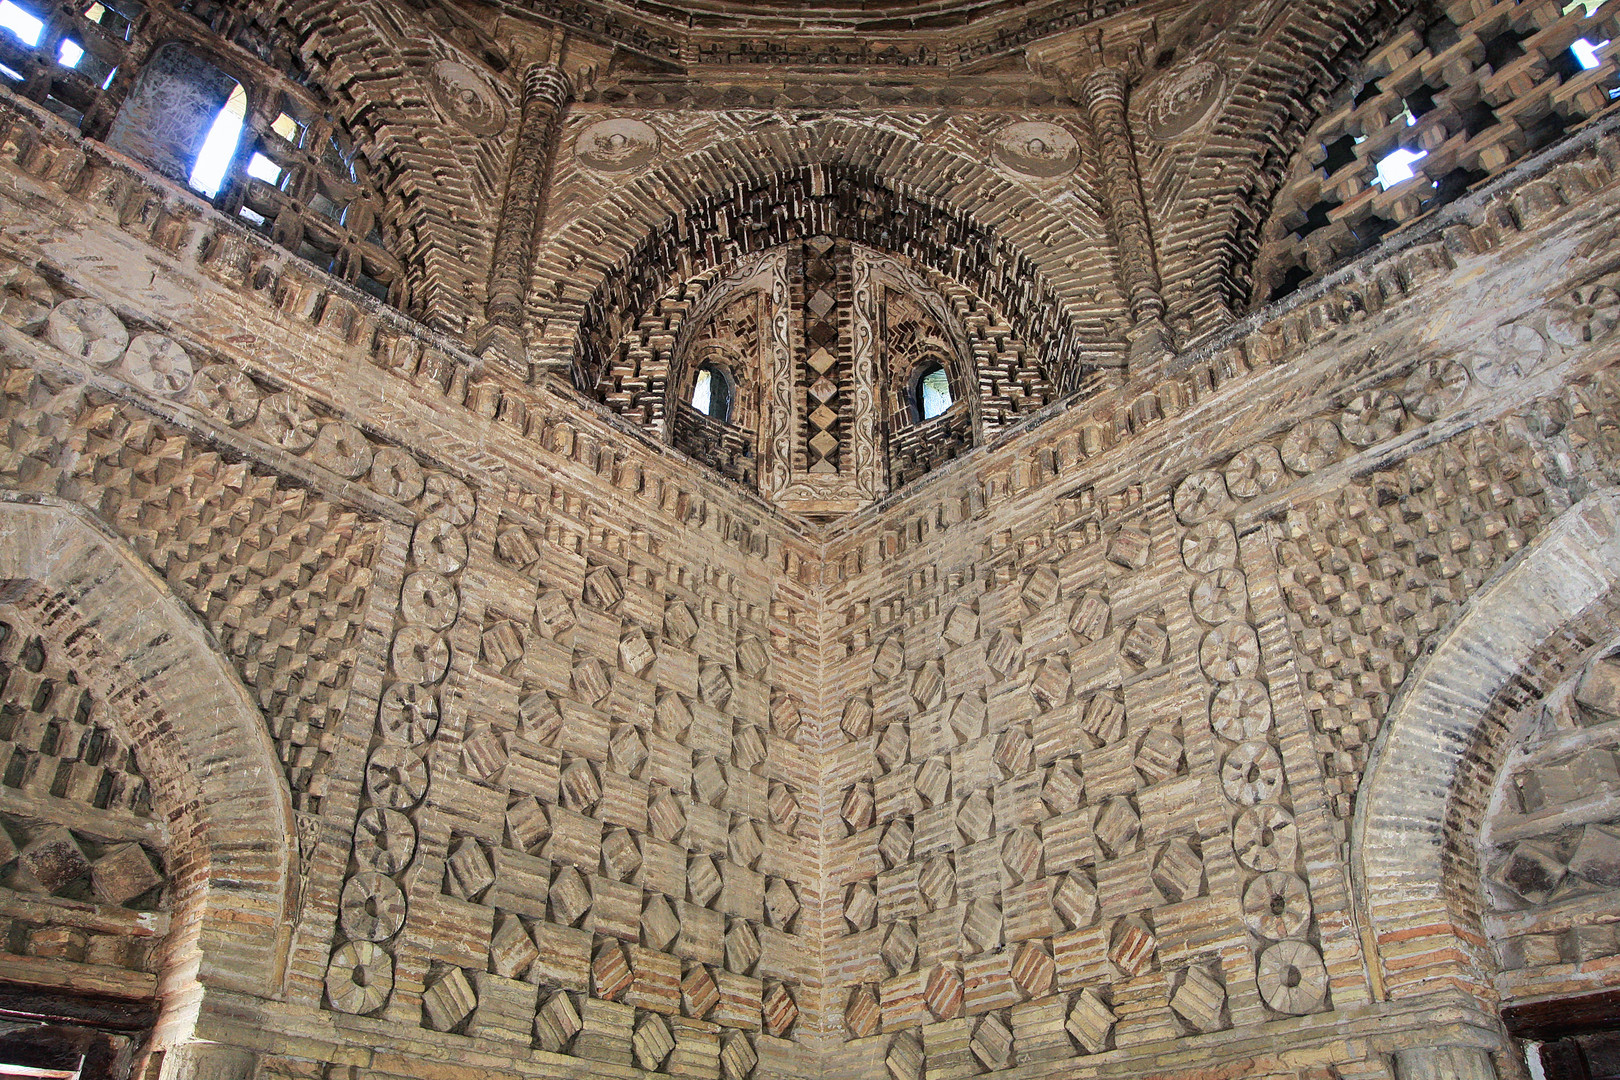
(1435, 112)
(212, 99)
(53, 741)
(66, 56)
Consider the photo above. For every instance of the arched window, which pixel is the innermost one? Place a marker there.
(930, 391)
(712, 392)
(249, 133)
(184, 118)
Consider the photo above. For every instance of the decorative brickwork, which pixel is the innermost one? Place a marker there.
(843, 204)
(1007, 662)
(288, 599)
(821, 344)
(879, 35)
(144, 780)
(1545, 624)
(1469, 92)
(312, 194)
(1547, 852)
(76, 815)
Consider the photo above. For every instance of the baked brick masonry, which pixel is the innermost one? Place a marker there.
(749, 540)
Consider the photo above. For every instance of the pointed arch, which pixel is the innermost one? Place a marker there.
(1421, 805)
(203, 746)
(744, 191)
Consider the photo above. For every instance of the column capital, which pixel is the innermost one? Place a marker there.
(1101, 84)
(547, 83)
(208, 1061)
(1444, 1063)
(1071, 62)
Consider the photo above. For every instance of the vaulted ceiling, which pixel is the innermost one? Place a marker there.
(889, 33)
(882, 15)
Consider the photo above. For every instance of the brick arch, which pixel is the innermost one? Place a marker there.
(1414, 839)
(210, 765)
(693, 307)
(1290, 56)
(956, 355)
(1044, 262)
(369, 59)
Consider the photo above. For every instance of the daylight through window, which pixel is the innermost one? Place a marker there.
(219, 147)
(711, 393)
(933, 392)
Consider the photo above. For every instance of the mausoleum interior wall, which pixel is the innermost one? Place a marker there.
(1052, 762)
(1078, 661)
(297, 522)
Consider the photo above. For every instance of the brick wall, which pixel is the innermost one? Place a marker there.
(593, 761)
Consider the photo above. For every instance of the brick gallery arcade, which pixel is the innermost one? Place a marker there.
(810, 539)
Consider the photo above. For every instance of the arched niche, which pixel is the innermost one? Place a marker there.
(726, 346)
(1415, 838)
(1549, 846)
(855, 203)
(819, 340)
(211, 768)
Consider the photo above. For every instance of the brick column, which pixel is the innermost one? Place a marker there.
(208, 1061)
(546, 93)
(1444, 1063)
(1102, 92)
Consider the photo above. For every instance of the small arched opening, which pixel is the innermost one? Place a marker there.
(714, 391)
(930, 391)
(711, 398)
(933, 404)
(183, 118)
